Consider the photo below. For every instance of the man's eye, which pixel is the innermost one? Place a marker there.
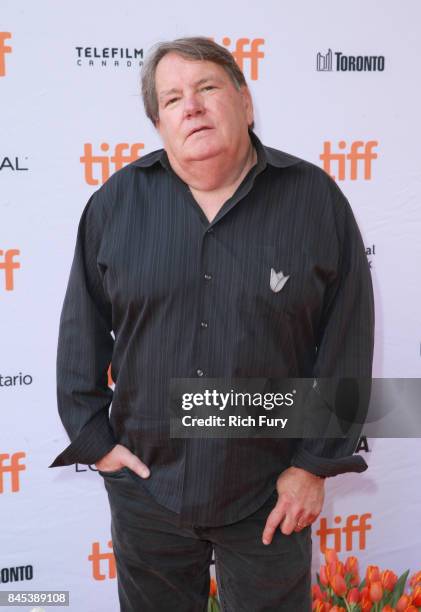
(171, 100)
(208, 87)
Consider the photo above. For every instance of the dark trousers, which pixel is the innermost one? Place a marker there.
(162, 567)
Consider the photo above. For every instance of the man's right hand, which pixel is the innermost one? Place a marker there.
(119, 457)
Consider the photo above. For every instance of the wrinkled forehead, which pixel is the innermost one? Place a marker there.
(174, 70)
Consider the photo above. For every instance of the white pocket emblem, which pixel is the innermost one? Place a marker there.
(277, 280)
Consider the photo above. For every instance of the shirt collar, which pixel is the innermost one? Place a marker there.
(265, 155)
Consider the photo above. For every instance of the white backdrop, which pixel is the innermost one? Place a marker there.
(62, 97)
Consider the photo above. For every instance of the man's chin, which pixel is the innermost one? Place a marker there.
(202, 153)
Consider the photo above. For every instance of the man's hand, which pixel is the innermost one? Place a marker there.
(119, 457)
(300, 500)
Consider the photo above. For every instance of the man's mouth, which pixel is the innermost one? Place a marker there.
(199, 129)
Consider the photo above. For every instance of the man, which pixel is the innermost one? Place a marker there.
(174, 255)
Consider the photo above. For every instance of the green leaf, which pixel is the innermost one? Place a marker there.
(348, 578)
(337, 601)
(386, 598)
(319, 582)
(399, 589)
(213, 605)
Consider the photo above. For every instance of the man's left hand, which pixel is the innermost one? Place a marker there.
(300, 501)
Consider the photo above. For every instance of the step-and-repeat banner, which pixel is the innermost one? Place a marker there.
(333, 83)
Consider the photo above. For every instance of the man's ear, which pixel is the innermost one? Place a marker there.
(248, 104)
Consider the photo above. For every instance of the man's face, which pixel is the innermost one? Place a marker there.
(201, 113)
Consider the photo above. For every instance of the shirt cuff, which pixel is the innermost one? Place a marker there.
(95, 440)
(325, 467)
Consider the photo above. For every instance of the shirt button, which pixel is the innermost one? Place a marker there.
(203, 324)
(208, 276)
(199, 372)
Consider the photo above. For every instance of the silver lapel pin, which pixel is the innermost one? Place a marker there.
(277, 280)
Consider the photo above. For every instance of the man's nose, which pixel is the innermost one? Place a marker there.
(193, 105)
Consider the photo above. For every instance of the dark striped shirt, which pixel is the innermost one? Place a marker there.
(160, 292)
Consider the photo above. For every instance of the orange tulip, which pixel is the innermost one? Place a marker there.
(351, 565)
(355, 580)
(416, 596)
(339, 585)
(213, 589)
(411, 609)
(317, 592)
(319, 606)
(364, 592)
(366, 604)
(376, 591)
(330, 555)
(415, 579)
(353, 596)
(403, 603)
(337, 609)
(331, 570)
(388, 580)
(388, 609)
(372, 574)
(334, 568)
(324, 579)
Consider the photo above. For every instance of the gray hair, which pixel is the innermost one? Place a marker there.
(193, 48)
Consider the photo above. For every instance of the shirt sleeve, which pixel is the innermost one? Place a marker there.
(345, 345)
(85, 347)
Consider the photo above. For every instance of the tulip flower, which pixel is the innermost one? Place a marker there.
(372, 574)
(403, 603)
(351, 565)
(388, 580)
(317, 592)
(355, 580)
(364, 592)
(334, 568)
(376, 591)
(411, 609)
(366, 604)
(331, 570)
(319, 606)
(330, 555)
(324, 579)
(388, 609)
(416, 596)
(339, 585)
(415, 579)
(337, 609)
(353, 596)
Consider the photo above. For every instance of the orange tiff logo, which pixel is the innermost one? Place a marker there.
(9, 265)
(108, 559)
(9, 464)
(247, 49)
(347, 164)
(355, 523)
(119, 158)
(3, 50)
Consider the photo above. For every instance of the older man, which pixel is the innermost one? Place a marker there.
(174, 256)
